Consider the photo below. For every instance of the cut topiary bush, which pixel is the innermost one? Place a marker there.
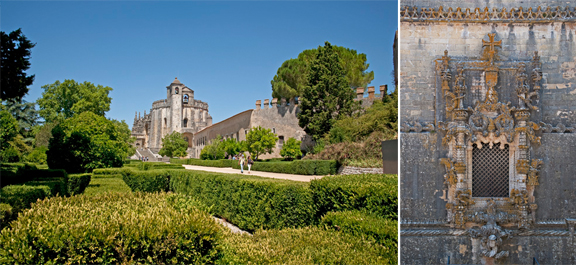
(111, 228)
(373, 193)
(77, 183)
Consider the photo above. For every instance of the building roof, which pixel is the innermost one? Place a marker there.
(176, 81)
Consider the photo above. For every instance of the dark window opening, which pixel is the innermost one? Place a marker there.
(490, 171)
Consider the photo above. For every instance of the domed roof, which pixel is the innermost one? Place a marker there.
(176, 81)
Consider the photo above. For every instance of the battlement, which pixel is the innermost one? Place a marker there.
(371, 95)
(275, 104)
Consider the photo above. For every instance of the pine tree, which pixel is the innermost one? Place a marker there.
(15, 52)
(327, 96)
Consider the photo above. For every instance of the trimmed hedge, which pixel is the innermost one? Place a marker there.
(8, 170)
(21, 196)
(132, 161)
(298, 167)
(381, 230)
(77, 183)
(115, 228)
(148, 180)
(310, 245)
(111, 172)
(56, 179)
(249, 202)
(372, 193)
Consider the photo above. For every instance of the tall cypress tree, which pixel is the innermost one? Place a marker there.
(15, 52)
(327, 95)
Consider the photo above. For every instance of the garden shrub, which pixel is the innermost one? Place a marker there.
(373, 193)
(382, 230)
(21, 196)
(147, 180)
(5, 214)
(77, 183)
(8, 170)
(310, 245)
(116, 228)
(250, 202)
(178, 161)
(212, 163)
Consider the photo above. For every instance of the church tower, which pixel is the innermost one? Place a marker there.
(174, 98)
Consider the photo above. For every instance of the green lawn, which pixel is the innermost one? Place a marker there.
(101, 185)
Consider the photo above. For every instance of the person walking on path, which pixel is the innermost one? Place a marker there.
(250, 163)
(241, 162)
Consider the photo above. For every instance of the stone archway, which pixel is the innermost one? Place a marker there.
(188, 137)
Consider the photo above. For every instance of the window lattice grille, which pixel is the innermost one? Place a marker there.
(490, 169)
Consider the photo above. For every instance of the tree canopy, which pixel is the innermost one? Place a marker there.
(260, 141)
(173, 145)
(291, 149)
(60, 101)
(15, 52)
(88, 141)
(327, 96)
(291, 78)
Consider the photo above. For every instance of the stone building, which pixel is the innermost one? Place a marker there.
(488, 144)
(182, 113)
(178, 112)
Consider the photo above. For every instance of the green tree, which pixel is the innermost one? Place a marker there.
(327, 96)
(8, 128)
(43, 134)
(173, 145)
(26, 115)
(15, 53)
(232, 146)
(61, 101)
(260, 141)
(291, 149)
(290, 79)
(88, 141)
(214, 150)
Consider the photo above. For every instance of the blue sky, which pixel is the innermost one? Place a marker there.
(227, 52)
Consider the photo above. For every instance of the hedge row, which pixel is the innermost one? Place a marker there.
(56, 179)
(310, 245)
(373, 193)
(253, 202)
(298, 167)
(21, 196)
(111, 228)
(380, 230)
(111, 172)
(77, 183)
(148, 180)
(250, 202)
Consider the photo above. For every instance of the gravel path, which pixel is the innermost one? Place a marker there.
(232, 227)
(305, 178)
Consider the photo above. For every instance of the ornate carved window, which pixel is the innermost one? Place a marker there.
(488, 135)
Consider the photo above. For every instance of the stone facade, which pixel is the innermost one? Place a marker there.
(280, 117)
(487, 82)
(179, 112)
